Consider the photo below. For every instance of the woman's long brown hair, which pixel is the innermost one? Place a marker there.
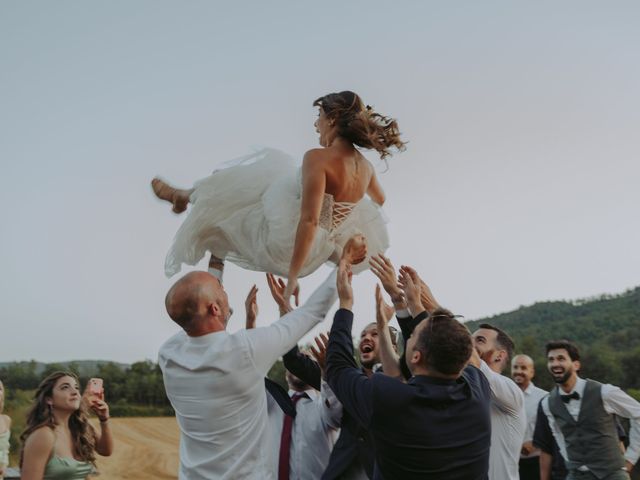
(359, 124)
(40, 415)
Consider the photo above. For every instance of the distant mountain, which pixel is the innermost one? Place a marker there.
(85, 368)
(605, 328)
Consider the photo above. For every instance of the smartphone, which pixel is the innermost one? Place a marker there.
(95, 388)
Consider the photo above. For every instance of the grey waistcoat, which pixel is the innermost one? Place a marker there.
(593, 439)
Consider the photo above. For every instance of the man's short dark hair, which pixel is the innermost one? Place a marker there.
(503, 340)
(445, 343)
(567, 345)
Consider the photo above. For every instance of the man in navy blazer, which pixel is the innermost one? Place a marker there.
(436, 424)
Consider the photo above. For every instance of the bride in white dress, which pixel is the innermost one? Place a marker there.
(265, 213)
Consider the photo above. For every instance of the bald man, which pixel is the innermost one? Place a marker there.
(215, 380)
(522, 372)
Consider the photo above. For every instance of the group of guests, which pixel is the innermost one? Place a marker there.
(439, 409)
(59, 442)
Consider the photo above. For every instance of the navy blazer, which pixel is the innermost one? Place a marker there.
(427, 428)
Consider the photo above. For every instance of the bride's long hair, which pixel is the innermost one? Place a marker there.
(41, 415)
(359, 124)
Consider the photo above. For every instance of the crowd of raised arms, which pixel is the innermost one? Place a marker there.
(426, 401)
(429, 401)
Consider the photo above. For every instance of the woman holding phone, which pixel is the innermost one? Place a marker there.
(59, 443)
(5, 433)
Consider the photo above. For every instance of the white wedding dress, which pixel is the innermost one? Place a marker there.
(247, 213)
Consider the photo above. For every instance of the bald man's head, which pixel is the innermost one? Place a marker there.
(522, 370)
(197, 302)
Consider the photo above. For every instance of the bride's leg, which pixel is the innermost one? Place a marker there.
(179, 198)
(216, 267)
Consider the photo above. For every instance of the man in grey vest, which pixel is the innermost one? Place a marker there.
(580, 415)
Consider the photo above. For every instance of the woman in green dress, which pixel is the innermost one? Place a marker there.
(59, 443)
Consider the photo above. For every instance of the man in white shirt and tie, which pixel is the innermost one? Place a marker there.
(508, 417)
(580, 415)
(215, 380)
(522, 372)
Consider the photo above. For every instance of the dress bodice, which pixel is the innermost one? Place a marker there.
(334, 213)
(62, 468)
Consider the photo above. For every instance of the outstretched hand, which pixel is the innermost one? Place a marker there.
(410, 283)
(355, 250)
(320, 351)
(251, 308)
(292, 288)
(277, 288)
(382, 268)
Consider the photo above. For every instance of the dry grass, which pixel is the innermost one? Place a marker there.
(145, 449)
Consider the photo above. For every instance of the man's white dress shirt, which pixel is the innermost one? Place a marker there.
(615, 401)
(215, 383)
(532, 397)
(315, 431)
(508, 424)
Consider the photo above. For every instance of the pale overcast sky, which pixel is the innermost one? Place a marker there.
(519, 183)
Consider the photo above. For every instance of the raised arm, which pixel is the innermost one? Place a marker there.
(348, 382)
(268, 343)
(103, 438)
(388, 355)
(313, 186)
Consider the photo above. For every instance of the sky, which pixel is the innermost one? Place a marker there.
(519, 183)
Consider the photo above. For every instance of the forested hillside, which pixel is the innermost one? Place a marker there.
(606, 328)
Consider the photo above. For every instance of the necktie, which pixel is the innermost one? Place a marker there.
(568, 398)
(285, 440)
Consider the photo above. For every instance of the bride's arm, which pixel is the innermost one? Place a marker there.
(313, 185)
(374, 190)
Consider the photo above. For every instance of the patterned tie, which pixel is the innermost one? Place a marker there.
(285, 440)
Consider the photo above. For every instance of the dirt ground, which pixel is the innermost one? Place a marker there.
(145, 449)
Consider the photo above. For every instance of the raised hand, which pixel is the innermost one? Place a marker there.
(410, 283)
(382, 268)
(251, 307)
(320, 351)
(426, 297)
(100, 408)
(292, 288)
(345, 292)
(384, 312)
(355, 250)
(277, 288)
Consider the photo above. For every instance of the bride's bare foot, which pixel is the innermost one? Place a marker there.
(355, 250)
(164, 191)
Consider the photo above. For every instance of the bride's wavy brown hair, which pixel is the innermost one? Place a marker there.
(41, 415)
(359, 124)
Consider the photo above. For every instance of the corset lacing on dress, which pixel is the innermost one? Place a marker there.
(334, 213)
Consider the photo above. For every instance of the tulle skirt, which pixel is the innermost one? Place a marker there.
(247, 212)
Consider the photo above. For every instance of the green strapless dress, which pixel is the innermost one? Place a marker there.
(62, 468)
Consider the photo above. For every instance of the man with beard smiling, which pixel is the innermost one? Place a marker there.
(508, 417)
(581, 416)
(522, 372)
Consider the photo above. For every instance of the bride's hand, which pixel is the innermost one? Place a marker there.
(292, 288)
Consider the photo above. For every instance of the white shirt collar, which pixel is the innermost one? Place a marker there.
(578, 387)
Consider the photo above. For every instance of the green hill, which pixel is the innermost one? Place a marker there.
(605, 328)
